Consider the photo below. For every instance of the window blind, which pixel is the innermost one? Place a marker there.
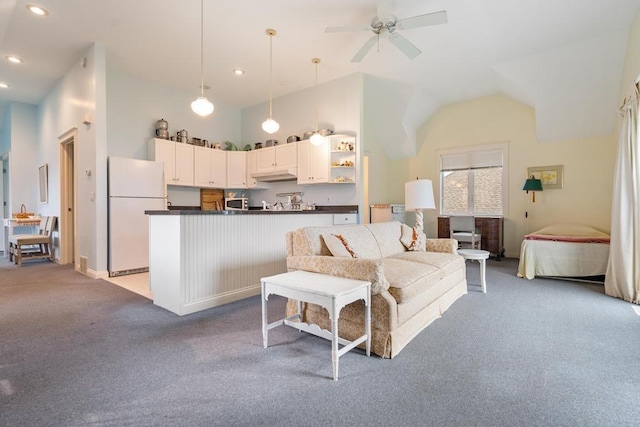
(471, 160)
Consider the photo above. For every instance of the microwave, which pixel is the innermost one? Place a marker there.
(236, 204)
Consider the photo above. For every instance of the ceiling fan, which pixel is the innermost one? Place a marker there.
(387, 24)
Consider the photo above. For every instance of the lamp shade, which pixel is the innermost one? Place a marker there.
(270, 126)
(317, 139)
(202, 106)
(418, 194)
(532, 184)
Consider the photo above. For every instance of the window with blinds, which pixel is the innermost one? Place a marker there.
(472, 181)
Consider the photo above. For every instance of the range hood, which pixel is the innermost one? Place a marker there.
(288, 174)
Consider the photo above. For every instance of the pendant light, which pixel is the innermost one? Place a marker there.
(316, 138)
(270, 125)
(202, 106)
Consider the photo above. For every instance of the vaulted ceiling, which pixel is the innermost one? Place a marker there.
(562, 57)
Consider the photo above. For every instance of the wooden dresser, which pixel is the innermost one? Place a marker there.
(491, 229)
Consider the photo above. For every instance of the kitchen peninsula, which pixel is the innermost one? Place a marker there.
(202, 259)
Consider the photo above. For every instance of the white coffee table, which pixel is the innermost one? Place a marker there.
(330, 292)
(480, 256)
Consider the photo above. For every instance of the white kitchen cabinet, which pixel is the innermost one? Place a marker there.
(313, 163)
(236, 169)
(177, 158)
(345, 219)
(251, 168)
(278, 157)
(210, 168)
(343, 159)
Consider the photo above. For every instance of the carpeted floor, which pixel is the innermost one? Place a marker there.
(76, 352)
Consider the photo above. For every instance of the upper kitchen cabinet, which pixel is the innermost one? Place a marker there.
(251, 168)
(313, 163)
(177, 158)
(278, 157)
(343, 159)
(210, 168)
(236, 169)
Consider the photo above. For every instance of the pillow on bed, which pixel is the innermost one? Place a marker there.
(571, 230)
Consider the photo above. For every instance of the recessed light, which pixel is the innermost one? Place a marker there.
(3, 85)
(37, 10)
(13, 59)
(238, 72)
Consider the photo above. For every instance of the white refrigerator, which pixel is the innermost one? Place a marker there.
(134, 186)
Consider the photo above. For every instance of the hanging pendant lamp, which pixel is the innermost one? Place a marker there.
(316, 138)
(270, 125)
(202, 106)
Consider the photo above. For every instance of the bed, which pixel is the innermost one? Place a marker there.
(564, 250)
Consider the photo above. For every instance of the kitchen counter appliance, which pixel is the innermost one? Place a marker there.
(236, 204)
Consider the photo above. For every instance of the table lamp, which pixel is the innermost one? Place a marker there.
(418, 195)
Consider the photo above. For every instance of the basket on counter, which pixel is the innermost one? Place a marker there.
(22, 215)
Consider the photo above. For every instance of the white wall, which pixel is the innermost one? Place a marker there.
(63, 109)
(24, 158)
(134, 106)
(339, 109)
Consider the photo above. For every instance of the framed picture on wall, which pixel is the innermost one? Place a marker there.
(43, 181)
(551, 176)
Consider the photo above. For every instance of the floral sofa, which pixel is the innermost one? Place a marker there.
(414, 279)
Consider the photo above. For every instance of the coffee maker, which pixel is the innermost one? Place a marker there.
(162, 129)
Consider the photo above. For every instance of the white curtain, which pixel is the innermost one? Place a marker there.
(623, 272)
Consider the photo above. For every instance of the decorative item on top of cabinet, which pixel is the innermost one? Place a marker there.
(343, 158)
(491, 229)
(177, 159)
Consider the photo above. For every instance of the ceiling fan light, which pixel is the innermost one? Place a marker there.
(317, 139)
(202, 106)
(270, 126)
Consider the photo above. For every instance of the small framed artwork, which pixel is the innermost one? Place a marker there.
(551, 176)
(43, 180)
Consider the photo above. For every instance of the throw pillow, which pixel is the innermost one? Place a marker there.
(413, 239)
(338, 246)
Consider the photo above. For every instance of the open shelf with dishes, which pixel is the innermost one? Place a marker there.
(342, 150)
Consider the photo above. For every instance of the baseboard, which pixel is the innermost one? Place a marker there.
(93, 274)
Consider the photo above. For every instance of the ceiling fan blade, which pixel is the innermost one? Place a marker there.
(364, 49)
(434, 18)
(384, 8)
(344, 29)
(404, 45)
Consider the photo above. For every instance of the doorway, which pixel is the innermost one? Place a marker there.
(4, 199)
(67, 231)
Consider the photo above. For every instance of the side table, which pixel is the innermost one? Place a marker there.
(330, 292)
(480, 256)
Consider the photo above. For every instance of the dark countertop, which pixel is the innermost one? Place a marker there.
(257, 211)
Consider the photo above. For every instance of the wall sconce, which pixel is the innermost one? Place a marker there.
(533, 184)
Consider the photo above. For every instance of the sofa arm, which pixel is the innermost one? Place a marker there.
(442, 245)
(370, 270)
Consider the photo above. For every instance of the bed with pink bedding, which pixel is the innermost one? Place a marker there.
(564, 250)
